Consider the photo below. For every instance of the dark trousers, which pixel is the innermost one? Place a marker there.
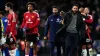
(58, 48)
(71, 44)
(60, 44)
(52, 46)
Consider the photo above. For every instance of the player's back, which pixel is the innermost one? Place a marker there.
(11, 24)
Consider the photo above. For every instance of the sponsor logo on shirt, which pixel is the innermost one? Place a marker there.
(58, 20)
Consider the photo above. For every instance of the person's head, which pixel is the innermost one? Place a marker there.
(8, 6)
(75, 8)
(81, 10)
(55, 9)
(31, 6)
(1, 14)
(86, 10)
(62, 13)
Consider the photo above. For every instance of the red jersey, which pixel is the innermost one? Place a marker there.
(89, 19)
(31, 20)
(11, 24)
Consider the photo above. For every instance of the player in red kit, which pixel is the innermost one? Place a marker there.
(11, 30)
(30, 26)
(87, 41)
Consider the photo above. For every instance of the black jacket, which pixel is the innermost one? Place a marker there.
(80, 25)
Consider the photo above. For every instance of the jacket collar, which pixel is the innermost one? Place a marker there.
(72, 12)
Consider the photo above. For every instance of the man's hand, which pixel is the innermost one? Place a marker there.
(62, 21)
(45, 38)
(86, 27)
(45, 41)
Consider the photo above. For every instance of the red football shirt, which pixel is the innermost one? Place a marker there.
(31, 20)
(12, 22)
(89, 19)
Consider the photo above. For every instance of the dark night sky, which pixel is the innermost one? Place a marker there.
(2, 4)
(16, 3)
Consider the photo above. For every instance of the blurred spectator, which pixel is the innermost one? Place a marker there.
(97, 46)
(96, 15)
(98, 30)
(98, 25)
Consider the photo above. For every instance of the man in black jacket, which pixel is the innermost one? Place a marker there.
(73, 30)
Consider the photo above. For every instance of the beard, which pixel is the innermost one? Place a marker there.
(55, 13)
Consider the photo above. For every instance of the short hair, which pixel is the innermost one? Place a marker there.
(9, 4)
(31, 3)
(76, 5)
(81, 9)
(2, 12)
(55, 7)
(88, 8)
(62, 12)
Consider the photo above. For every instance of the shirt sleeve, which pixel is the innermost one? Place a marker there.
(89, 19)
(13, 22)
(65, 18)
(47, 26)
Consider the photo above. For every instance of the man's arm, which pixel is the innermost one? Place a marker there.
(62, 31)
(82, 28)
(64, 20)
(13, 22)
(89, 19)
(47, 26)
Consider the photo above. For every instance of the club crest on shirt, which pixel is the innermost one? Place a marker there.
(32, 16)
(58, 20)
